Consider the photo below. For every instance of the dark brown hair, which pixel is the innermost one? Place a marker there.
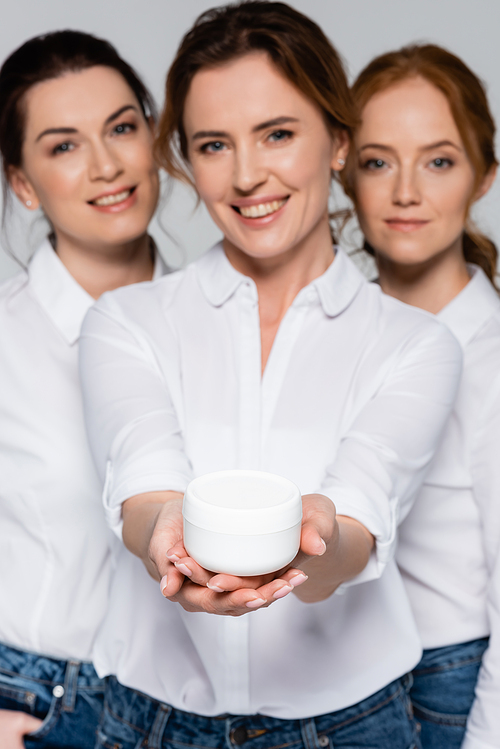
(467, 99)
(43, 58)
(295, 44)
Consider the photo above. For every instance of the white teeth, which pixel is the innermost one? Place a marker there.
(113, 199)
(262, 209)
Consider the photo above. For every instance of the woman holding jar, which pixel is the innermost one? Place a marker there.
(76, 133)
(423, 154)
(272, 353)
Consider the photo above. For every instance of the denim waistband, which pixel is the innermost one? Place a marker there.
(141, 711)
(45, 670)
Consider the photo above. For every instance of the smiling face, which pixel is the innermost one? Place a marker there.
(413, 180)
(87, 159)
(261, 158)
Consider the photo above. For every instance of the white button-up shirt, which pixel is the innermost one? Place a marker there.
(351, 404)
(449, 545)
(54, 542)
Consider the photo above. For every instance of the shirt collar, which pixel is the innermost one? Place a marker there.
(217, 277)
(63, 299)
(336, 288)
(466, 314)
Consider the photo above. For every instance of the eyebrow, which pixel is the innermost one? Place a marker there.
(72, 130)
(262, 126)
(430, 147)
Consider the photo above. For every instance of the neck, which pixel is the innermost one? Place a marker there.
(280, 278)
(103, 268)
(430, 285)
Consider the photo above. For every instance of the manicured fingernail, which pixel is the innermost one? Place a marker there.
(185, 570)
(163, 584)
(172, 557)
(298, 579)
(215, 588)
(320, 548)
(282, 592)
(255, 603)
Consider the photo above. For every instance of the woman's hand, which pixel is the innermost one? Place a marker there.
(332, 550)
(15, 724)
(153, 528)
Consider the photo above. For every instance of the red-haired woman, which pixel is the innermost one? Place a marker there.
(273, 353)
(77, 144)
(424, 153)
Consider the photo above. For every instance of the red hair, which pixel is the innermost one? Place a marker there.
(469, 106)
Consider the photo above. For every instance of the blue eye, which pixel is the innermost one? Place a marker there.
(123, 128)
(374, 164)
(280, 135)
(62, 148)
(214, 146)
(441, 163)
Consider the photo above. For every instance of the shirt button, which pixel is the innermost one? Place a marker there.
(323, 740)
(239, 735)
(58, 691)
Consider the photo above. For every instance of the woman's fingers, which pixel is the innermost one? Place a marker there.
(14, 725)
(225, 583)
(194, 597)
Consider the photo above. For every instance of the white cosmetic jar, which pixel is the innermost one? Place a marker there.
(242, 522)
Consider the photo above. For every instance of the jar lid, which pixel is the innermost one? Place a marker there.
(242, 502)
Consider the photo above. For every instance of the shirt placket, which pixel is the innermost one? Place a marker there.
(235, 631)
(279, 360)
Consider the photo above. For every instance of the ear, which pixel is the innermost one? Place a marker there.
(486, 183)
(340, 151)
(23, 188)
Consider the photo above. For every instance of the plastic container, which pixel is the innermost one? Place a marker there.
(242, 522)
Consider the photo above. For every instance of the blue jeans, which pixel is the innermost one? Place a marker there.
(443, 692)
(131, 720)
(67, 695)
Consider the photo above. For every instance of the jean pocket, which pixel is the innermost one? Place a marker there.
(16, 698)
(49, 721)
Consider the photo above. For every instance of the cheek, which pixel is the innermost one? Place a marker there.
(55, 184)
(371, 199)
(212, 181)
(139, 159)
(452, 199)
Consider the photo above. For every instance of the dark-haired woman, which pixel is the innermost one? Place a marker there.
(273, 353)
(76, 143)
(424, 153)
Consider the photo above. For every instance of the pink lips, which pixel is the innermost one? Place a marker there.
(257, 222)
(405, 224)
(123, 205)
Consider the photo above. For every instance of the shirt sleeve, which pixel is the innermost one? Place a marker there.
(483, 725)
(384, 454)
(133, 430)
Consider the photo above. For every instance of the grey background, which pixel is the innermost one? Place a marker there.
(146, 33)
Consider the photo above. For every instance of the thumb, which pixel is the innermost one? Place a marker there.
(311, 542)
(29, 723)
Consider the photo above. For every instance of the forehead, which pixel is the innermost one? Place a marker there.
(243, 93)
(413, 111)
(76, 99)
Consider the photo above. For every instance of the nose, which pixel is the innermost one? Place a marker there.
(249, 170)
(406, 191)
(104, 163)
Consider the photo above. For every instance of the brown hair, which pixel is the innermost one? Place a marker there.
(295, 44)
(469, 106)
